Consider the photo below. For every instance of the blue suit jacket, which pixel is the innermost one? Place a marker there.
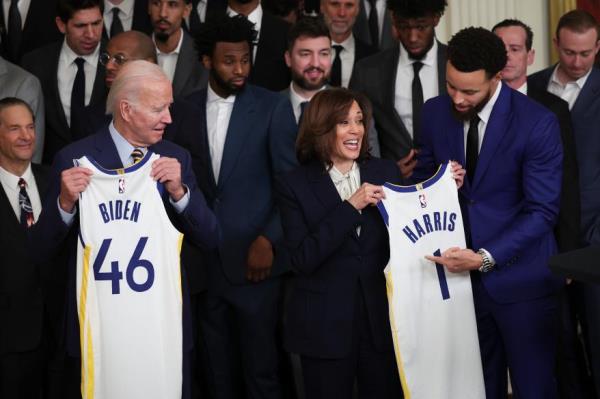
(585, 116)
(259, 145)
(512, 205)
(334, 266)
(50, 235)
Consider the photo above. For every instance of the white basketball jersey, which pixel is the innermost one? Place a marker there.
(431, 310)
(128, 287)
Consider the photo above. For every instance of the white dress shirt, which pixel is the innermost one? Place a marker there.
(23, 7)
(346, 184)
(296, 100)
(570, 91)
(484, 117)
(125, 14)
(218, 114)
(523, 88)
(67, 69)
(201, 9)
(10, 184)
(347, 58)
(168, 61)
(256, 18)
(404, 78)
(381, 10)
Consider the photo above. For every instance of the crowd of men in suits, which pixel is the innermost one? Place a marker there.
(236, 109)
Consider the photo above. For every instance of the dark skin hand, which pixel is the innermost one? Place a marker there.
(260, 259)
(408, 163)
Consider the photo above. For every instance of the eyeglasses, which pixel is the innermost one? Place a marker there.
(119, 59)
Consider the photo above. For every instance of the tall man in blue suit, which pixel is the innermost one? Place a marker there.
(511, 147)
(247, 138)
(139, 100)
(577, 81)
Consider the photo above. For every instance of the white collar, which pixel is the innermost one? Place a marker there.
(430, 58)
(126, 7)
(212, 96)
(255, 16)
(485, 113)
(10, 180)
(349, 44)
(177, 49)
(579, 82)
(523, 88)
(70, 56)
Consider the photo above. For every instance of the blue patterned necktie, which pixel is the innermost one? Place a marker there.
(25, 205)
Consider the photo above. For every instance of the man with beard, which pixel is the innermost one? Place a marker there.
(268, 66)
(340, 16)
(246, 139)
(175, 47)
(398, 80)
(512, 150)
(309, 59)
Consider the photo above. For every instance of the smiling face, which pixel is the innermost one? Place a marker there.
(348, 139)
(310, 62)
(17, 135)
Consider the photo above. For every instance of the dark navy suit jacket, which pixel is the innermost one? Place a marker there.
(259, 145)
(49, 235)
(585, 115)
(334, 266)
(512, 205)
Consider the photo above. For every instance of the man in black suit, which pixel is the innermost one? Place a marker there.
(374, 19)
(518, 39)
(69, 71)
(130, 15)
(25, 27)
(268, 67)
(175, 47)
(340, 17)
(21, 303)
(388, 78)
(202, 11)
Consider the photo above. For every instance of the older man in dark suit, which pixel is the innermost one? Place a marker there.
(69, 71)
(21, 305)
(398, 80)
(140, 113)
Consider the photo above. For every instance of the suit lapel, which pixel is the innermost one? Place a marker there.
(441, 61)
(240, 127)
(205, 153)
(588, 94)
(99, 90)
(60, 112)
(106, 153)
(322, 186)
(494, 132)
(184, 65)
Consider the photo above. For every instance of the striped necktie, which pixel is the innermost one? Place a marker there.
(137, 154)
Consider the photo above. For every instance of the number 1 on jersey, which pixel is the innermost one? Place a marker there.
(442, 278)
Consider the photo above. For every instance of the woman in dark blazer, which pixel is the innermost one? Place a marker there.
(337, 313)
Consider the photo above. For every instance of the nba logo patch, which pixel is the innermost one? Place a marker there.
(422, 201)
(121, 185)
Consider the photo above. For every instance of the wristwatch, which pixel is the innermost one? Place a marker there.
(486, 264)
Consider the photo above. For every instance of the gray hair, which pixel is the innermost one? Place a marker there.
(132, 78)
